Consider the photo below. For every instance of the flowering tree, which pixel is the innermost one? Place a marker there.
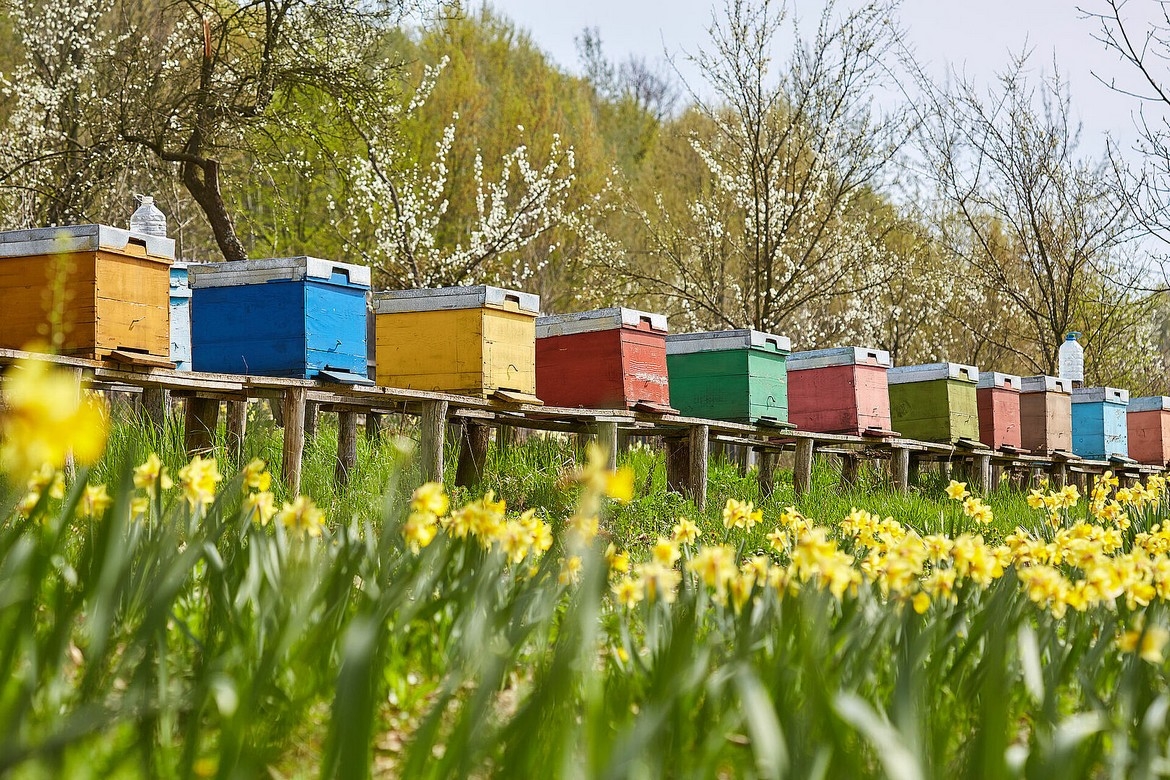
(1043, 234)
(400, 204)
(193, 86)
(772, 224)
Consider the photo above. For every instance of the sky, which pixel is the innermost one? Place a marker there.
(974, 37)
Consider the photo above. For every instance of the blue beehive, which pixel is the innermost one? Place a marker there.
(180, 317)
(1099, 425)
(289, 317)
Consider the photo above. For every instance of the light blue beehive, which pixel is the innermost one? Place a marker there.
(180, 317)
(285, 317)
(1099, 427)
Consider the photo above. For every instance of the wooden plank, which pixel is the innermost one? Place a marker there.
(432, 429)
(202, 419)
(474, 440)
(697, 472)
(982, 473)
(346, 446)
(802, 470)
(293, 411)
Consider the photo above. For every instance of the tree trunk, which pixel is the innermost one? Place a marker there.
(206, 193)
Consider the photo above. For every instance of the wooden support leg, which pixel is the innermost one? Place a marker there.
(1059, 474)
(802, 469)
(744, 458)
(607, 438)
(767, 474)
(155, 405)
(293, 412)
(311, 416)
(623, 442)
(473, 447)
(850, 464)
(276, 406)
(374, 426)
(346, 446)
(506, 436)
(717, 451)
(237, 428)
(199, 428)
(981, 468)
(900, 468)
(70, 462)
(678, 459)
(697, 483)
(912, 469)
(432, 426)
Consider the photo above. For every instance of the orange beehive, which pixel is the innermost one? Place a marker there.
(1046, 414)
(87, 290)
(998, 399)
(1148, 420)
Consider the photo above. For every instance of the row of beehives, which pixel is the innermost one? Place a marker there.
(304, 317)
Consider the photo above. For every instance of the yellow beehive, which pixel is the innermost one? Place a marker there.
(87, 290)
(469, 340)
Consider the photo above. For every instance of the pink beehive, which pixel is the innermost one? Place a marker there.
(998, 398)
(840, 390)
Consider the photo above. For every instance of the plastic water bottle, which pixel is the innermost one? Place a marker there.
(147, 218)
(1072, 360)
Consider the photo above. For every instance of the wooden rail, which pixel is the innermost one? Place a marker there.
(687, 439)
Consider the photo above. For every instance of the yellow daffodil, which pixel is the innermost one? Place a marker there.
(45, 417)
(302, 516)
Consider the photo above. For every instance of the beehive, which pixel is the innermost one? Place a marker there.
(286, 317)
(1148, 424)
(842, 390)
(605, 359)
(998, 397)
(91, 289)
(1045, 414)
(477, 341)
(734, 375)
(1099, 427)
(935, 402)
(180, 317)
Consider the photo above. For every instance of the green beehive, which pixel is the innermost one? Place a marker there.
(935, 402)
(734, 375)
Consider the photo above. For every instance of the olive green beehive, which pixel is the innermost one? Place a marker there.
(935, 402)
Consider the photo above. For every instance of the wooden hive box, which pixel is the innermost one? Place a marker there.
(606, 359)
(935, 402)
(734, 375)
(1148, 424)
(1099, 427)
(998, 400)
(478, 341)
(299, 317)
(95, 288)
(180, 304)
(841, 390)
(1045, 414)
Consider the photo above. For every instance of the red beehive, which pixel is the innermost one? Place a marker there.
(840, 390)
(605, 359)
(998, 399)
(1148, 425)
